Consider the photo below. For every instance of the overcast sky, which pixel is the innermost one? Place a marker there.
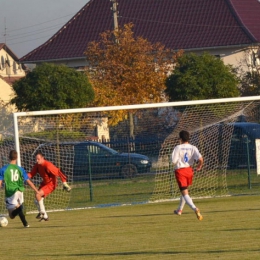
(26, 24)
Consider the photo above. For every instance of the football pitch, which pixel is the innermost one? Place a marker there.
(230, 230)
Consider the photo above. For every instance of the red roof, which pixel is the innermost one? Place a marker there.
(178, 24)
(10, 80)
(248, 12)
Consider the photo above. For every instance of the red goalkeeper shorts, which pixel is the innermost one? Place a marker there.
(48, 189)
(184, 176)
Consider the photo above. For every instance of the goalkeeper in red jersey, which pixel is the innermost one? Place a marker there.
(183, 157)
(49, 173)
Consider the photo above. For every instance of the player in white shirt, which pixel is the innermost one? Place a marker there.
(183, 157)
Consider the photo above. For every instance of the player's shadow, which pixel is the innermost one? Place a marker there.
(138, 215)
(147, 253)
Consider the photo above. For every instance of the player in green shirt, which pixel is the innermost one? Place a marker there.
(14, 177)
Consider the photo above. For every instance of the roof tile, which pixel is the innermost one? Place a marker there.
(178, 24)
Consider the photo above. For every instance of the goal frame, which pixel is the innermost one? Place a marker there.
(125, 107)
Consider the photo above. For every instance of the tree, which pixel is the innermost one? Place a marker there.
(51, 86)
(201, 77)
(250, 84)
(5, 116)
(126, 70)
(250, 78)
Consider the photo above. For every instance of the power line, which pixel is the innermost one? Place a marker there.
(34, 25)
(23, 35)
(11, 44)
(17, 38)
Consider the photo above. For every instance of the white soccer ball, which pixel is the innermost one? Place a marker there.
(3, 221)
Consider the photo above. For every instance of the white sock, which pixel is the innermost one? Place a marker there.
(182, 203)
(42, 208)
(189, 201)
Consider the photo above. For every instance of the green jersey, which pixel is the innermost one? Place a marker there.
(14, 177)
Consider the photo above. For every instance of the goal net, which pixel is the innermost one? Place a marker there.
(122, 155)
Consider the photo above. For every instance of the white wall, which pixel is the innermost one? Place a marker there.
(6, 91)
(236, 56)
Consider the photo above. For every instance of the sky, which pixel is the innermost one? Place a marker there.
(26, 24)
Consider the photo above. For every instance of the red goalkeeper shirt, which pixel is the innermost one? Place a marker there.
(48, 172)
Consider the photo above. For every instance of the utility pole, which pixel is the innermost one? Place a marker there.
(7, 61)
(5, 30)
(115, 13)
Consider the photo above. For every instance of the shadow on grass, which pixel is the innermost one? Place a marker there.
(189, 211)
(132, 253)
(139, 215)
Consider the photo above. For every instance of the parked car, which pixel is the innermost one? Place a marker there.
(94, 159)
(242, 149)
(242, 145)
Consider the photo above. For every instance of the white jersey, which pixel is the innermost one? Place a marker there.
(184, 155)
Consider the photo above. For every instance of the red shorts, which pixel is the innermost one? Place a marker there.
(184, 176)
(48, 188)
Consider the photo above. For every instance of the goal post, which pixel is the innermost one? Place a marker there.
(107, 164)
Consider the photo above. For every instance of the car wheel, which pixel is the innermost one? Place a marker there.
(128, 171)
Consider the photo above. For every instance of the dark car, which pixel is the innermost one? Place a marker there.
(95, 160)
(242, 151)
(241, 147)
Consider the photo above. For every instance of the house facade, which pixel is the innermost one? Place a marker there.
(228, 29)
(10, 70)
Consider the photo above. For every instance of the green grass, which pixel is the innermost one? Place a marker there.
(229, 230)
(142, 189)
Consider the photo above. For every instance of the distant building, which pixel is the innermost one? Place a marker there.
(10, 70)
(228, 29)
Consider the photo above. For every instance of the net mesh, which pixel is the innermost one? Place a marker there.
(130, 161)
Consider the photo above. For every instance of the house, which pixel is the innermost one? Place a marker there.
(228, 29)
(10, 70)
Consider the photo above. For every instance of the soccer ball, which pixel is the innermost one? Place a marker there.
(3, 221)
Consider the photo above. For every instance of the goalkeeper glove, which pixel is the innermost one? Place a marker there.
(66, 187)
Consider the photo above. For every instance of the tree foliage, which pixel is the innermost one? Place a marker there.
(250, 84)
(126, 70)
(5, 115)
(201, 77)
(51, 86)
(250, 78)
